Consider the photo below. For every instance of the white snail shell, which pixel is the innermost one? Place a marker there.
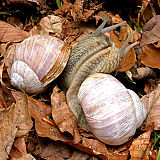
(38, 61)
(112, 111)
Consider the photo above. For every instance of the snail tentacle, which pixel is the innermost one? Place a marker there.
(107, 29)
(122, 49)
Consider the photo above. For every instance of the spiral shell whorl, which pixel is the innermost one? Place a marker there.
(109, 109)
(37, 61)
(140, 110)
(22, 74)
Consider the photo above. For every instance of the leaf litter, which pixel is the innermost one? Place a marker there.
(55, 122)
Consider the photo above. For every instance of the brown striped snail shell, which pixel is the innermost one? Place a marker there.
(112, 111)
(37, 62)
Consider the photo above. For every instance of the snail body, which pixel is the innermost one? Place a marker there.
(37, 61)
(112, 111)
(95, 54)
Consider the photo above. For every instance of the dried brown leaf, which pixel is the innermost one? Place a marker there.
(119, 152)
(56, 150)
(62, 115)
(92, 146)
(150, 85)
(140, 147)
(14, 121)
(87, 31)
(79, 155)
(9, 33)
(79, 10)
(40, 112)
(125, 31)
(8, 55)
(142, 72)
(159, 3)
(63, 9)
(37, 109)
(27, 157)
(18, 149)
(24, 120)
(147, 10)
(44, 129)
(150, 56)
(51, 25)
(151, 32)
(152, 104)
(144, 4)
(15, 22)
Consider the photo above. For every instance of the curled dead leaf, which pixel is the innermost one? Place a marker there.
(44, 129)
(150, 56)
(152, 104)
(92, 146)
(49, 25)
(27, 157)
(18, 149)
(56, 150)
(14, 121)
(140, 147)
(79, 155)
(25, 122)
(79, 11)
(62, 115)
(147, 10)
(151, 32)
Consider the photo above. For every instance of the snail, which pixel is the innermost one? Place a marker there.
(40, 59)
(37, 61)
(96, 53)
(112, 111)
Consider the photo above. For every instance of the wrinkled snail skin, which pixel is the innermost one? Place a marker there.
(112, 111)
(37, 61)
(95, 54)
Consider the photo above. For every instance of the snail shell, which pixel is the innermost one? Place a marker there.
(38, 61)
(112, 111)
